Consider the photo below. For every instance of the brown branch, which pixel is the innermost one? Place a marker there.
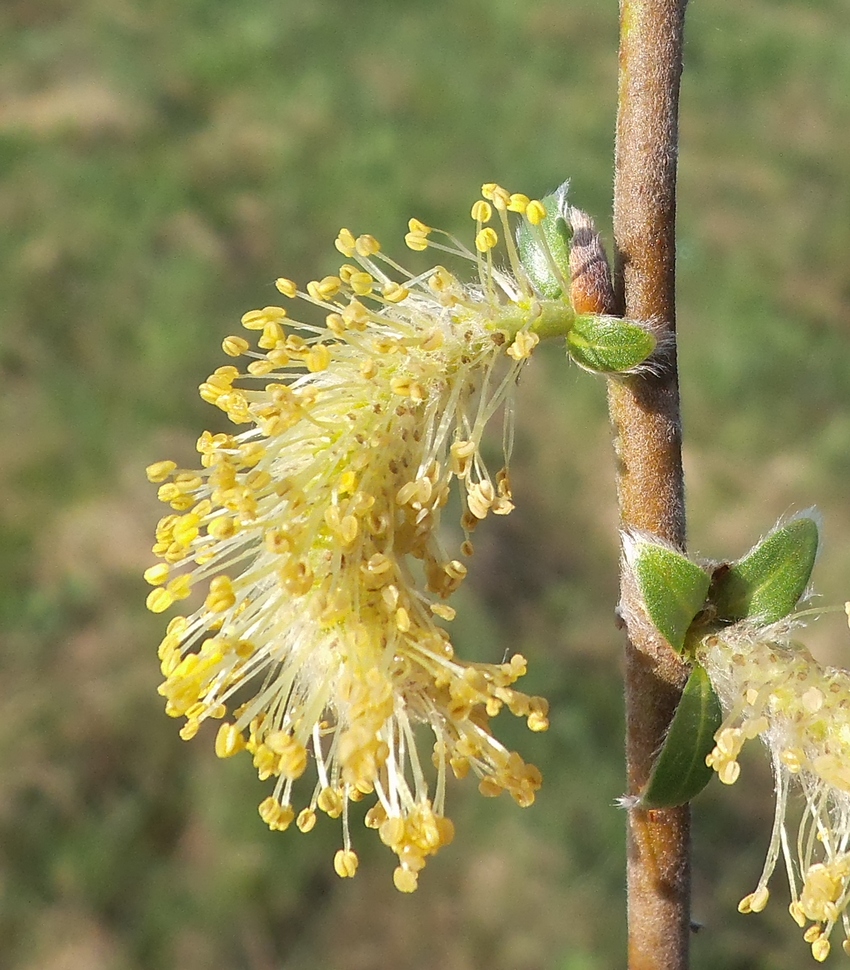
(645, 417)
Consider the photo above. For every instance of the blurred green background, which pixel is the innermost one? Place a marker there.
(160, 164)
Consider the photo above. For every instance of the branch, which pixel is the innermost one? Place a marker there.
(645, 416)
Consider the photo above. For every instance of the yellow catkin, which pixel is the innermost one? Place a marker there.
(310, 537)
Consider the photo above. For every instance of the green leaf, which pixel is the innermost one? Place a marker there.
(673, 588)
(535, 260)
(608, 345)
(767, 583)
(680, 772)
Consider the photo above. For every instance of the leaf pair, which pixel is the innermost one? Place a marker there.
(683, 601)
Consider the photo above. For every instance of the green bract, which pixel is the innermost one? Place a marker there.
(680, 772)
(608, 345)
(766, 584)
(672, 588)
(547, 278)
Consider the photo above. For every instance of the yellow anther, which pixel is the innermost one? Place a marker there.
(348, 529)
(324, 289)
(346, 270)
(345, 242)
(535, 212)
(523, 345)
(189, 729)
(417, 241)
(274, 313)
(356, 315)
(391, 831)
(345, 863)
(188, 481)
(221, 596)
(455, 569)
(209, 392)
(273, 335)
(330, 801)
(177, 627)
(501, 197)
(729, 772)
(260, 368)
(297, 578)
(253, 320)
(441, 280)
(278, 542)
(797, 914)
(414, 225)
(820, 949)
(488, 188)
(486, 240)
(405, 880)
(186, 529)
(159, 471)
(518, 202)
(234, 346)
(318, 358)
(361, 283)
(158, 574)
(754, 902)
(224, 376)
(444, 611)
(278, 817)
(306, 820)
(287, 287)
(490, 788)
(402, 620)
(222, 527)
(482, 211)
(180, 587)
(228, 741)
(159, 600)
(367, 245)
(394, 292)
(409, 388)
(335, 323)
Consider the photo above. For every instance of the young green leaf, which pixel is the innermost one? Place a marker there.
(608, 345)
(680, 772)
(767, 583)
(548, 271)
(672, 588)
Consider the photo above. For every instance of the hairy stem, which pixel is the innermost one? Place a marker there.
(645, 416)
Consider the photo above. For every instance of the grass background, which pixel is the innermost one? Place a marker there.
(160, 164)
